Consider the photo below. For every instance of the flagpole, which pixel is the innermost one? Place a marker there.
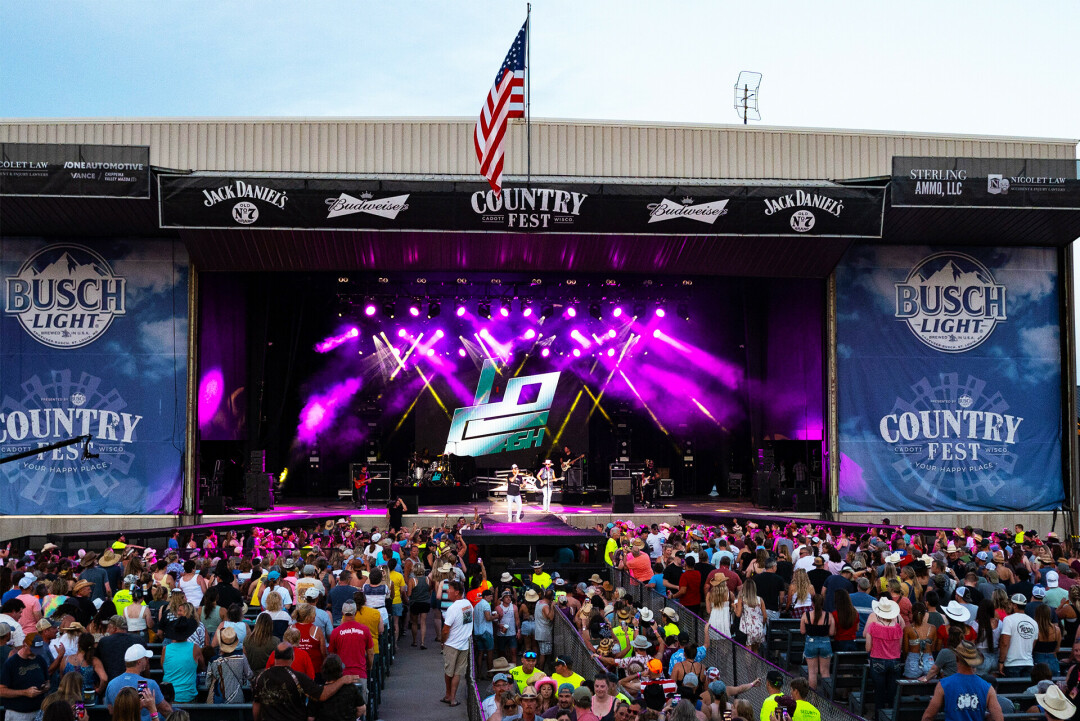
(528, 92)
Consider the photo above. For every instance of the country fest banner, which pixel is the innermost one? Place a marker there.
(93, 340)
(949, 367)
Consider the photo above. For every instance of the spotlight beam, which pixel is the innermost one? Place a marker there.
(644, 404)
(394, 351)
(596, 403)
(555, 440)
(427, 384)
(408, 353)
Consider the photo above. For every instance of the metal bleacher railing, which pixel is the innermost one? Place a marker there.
(737, 664)
(567, 642)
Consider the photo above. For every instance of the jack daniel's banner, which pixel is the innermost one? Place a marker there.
(93, 341)
(101, 171)
(950, 373)
(985, 183)
(201, 201)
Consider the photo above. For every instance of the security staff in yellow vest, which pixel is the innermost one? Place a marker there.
(521, 673)
(670, 619)
(564, 673)
(540, 579)
(774, 687)
(622, 631)
(611, 547)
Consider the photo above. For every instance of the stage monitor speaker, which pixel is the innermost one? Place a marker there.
(804, 501)
(762, 492)
(213, 505)
(257, 493)
(622, 503)
(667, 487)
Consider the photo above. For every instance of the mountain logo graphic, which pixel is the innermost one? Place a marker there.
(65, 296)
(951, 302)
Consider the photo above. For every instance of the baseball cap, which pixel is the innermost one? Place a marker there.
(690, 680)
(1052, 579)
(566, 688)
(1018, 599)
(1038, 592)
(582, 692)
(273, 575)
(656, 665)
(775, 678)
(312, 593)
(27, 581)
(560, 661)
(500, 677)
(135, 653)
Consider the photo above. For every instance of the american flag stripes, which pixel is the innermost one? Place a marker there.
(506, 100)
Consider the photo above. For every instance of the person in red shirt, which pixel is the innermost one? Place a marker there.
(301, 662)
(689, 593)
(352, 642)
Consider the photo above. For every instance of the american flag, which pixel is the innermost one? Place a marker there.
(506, 100)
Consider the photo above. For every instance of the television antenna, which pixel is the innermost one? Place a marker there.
(746, 95)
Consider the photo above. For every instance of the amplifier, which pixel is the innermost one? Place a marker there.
(667, 487)
(620, 486)
(257, 493)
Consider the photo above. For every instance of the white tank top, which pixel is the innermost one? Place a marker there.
(135, 623)
(192, 590)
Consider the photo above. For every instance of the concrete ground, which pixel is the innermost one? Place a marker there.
(416, 684)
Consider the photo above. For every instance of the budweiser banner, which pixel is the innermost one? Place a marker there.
(201, 201)
(93, 341)
(950, 379)
(985, 183)
(102, 171)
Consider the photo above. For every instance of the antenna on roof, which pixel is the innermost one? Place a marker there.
(746, 95)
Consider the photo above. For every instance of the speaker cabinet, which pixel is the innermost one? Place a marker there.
(257, 493)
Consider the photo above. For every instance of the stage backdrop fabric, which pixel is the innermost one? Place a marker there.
(93, 340)
(949, 367)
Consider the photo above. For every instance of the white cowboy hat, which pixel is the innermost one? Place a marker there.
(1055, 703)
(547, 462)
(886, 608)
(892, 558)
(957, 612)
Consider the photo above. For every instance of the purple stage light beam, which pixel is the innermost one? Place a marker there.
(661, 335)
(369, 310)
(321, 409)
(328, 344)
(660, 313)
(580, 338)
(617, 313)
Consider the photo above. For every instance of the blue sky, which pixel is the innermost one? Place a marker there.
(928, 66)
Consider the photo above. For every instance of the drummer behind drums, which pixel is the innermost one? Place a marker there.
(545, 477)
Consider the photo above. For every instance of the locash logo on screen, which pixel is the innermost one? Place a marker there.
(951, 302)
(507, 425)
(65, 296)
(703, 213)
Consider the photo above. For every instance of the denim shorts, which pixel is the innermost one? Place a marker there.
(817, 647)
(397, 609)
(484, 641)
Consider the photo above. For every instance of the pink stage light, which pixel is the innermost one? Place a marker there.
(617, 312)
(211, 393)
(611, 352)
(577, 352)
(439, 334)
(460, 311)
(414, 310)
(571, 312)
(461, 352)
(660, 313)
(369, 310)
(527, 312)
(580, 338)
(545, 353)
(611, 333)
(402, 333)
(328, 344)
(504, 312)
(529, 334)
(430, 352)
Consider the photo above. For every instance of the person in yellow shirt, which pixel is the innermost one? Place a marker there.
(397, 608)
(539, 578)
(564, 674)
(774, 687)
(370, 617)
(804, 711)
(521, 673)
(611, 547)
(671, 618)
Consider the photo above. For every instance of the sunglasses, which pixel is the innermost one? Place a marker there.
(528, 654)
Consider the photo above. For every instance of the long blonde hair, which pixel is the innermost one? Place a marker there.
(748, 593)
(718, 595)
(804, 590)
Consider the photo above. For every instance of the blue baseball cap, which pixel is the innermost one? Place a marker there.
(273, 575)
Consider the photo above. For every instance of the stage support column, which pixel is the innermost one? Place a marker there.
(832, 412)
(188, 508)
(1071, 465)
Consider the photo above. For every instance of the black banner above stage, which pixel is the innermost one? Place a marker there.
(98, 171)
(985, 183)
(200, 201)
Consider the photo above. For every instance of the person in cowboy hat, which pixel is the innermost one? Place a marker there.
(540, 579)
(110, 561)
(545, 477)
(883, 633)
(80, 598)
(965, 696)
(96, 575)
(500, 682)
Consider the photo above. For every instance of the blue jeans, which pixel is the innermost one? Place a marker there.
(1050, 659)
(838, 646)
(1017, 671)
(884, 672)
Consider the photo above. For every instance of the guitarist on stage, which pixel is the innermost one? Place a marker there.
(567, 461)
(360, 486)
(544, 478)
(650, 479)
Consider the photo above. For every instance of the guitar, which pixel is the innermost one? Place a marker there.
(566, 464)
(361, 480)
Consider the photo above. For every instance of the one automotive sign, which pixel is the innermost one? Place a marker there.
(949, 365)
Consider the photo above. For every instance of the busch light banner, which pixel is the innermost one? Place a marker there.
(949, 364)
(93, 341)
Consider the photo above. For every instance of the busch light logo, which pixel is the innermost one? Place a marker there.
(951, 302)
(512, 424)
(65, 296)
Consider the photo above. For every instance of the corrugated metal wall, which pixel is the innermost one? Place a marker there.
(444, 146)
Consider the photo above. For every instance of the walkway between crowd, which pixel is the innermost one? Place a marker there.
(414, 689)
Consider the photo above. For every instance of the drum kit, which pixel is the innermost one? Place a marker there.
(423, 472)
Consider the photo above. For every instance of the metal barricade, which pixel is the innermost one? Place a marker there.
(568, 643)
(737, 664)
(473, 699)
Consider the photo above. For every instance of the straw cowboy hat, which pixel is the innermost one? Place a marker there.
(531, 596)
(595, 578)
(109, 558)
(892, 558)
(886, 608)
(499, 665)
(970, 655)
(88, 559)
(80, 586)
(228, 640)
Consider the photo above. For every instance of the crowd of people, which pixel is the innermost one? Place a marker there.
(290, 620)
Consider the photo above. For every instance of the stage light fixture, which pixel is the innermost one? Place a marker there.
(402, 333)
(414, 309)
(547, 310)
(594, 311)
(433, 309)
(639, 310)
(545, 352)
(527, 312)
(611, 352)
(577, 352)
(483, 309)
(612, 333)
(388, 310)
(660, 312)
(505, 310)
(460, 310)
(430, 352)
(571, 312)
(369, 310)
(682, 311)
(529, 334)
(617, 313)
(461, 352)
